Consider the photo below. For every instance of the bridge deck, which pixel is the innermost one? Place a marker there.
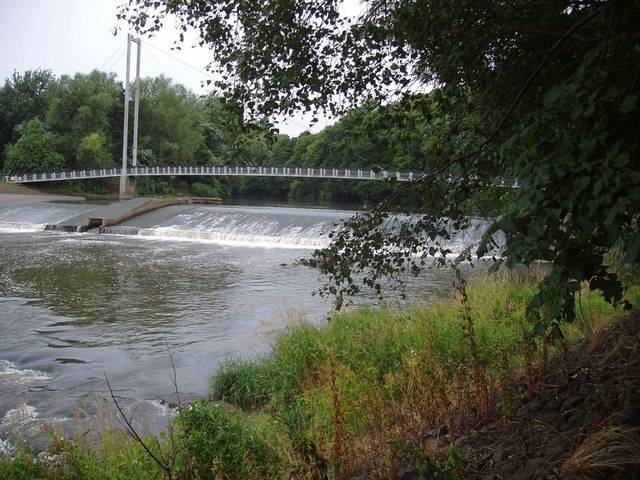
(216, 170)
(243, 171)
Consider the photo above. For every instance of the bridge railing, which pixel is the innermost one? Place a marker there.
(63, 175)
(214, 170)
(239, 170)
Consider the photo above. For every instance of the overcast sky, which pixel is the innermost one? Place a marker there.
(72, 36)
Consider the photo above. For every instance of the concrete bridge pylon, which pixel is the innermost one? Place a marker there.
(128, 187)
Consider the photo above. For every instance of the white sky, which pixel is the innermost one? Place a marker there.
(73, 36)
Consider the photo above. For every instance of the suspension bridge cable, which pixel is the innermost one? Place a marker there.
(156, 60)
(202, 72)
(115, 61)
(113, 55)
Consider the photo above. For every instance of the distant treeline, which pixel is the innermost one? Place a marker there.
(49, 123)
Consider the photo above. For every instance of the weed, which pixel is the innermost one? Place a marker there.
(431, 462)
(607, 450)
(245, 384)
(226, 436)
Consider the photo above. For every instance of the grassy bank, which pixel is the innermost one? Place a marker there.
(363, 389)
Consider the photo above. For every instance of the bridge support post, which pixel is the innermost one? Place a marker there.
(128, 187)
(129, 184)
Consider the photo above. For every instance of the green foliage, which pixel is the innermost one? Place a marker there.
(433, 465)
(118, 457)
(34, 151)
(154, 186)
(246, 384)
(223, 442)
(84, 105)
(93, 152)
(172, 123)
(371, 343)
(21, 100)
(581, 143)
(214, 189)
(21, 466)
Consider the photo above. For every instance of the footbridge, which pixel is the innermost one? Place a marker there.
(216, 170)
(130, 175)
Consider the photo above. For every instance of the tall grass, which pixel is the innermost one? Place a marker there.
(361, 389)
(374, 378)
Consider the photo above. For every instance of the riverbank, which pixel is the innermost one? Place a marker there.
(577, 417)
(18, 194)
(452, 390)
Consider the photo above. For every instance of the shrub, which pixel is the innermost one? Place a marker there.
(93, 152)
(245, 384)
(222, 442)
(34, 150)
(154, 186)
(204, 190)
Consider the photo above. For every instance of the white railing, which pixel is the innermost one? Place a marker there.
(213, 170)
(224, 170)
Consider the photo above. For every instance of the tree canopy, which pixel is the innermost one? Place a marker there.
(34, 151)
(545, 91)
(21, 100)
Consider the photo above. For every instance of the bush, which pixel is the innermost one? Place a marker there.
(199, 189)
(93, 152)
(154, 186)
(34, 150)
(223, 444)
(245, 384)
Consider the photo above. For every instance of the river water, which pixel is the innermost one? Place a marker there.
(198, 285)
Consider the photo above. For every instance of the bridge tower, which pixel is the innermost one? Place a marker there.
(128, 184)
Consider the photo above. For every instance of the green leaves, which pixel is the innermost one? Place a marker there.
(34, 151)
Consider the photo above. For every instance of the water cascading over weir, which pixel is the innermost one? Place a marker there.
(108, 217)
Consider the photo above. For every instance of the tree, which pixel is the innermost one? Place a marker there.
(171, 123)
(93, 152)
(34, 151)
(545, 91)
(84, 105)
(21, 100)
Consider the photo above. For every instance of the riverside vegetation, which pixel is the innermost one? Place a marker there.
(373, 393)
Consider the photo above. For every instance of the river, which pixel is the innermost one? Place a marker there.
(198, 285)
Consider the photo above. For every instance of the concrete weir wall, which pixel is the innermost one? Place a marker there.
(131, 211)
(119, 212)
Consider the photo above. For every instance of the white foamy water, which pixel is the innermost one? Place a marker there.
(21, 415)
(33, 215)
(6, 448)
(235, 239)
(12, 227)
(275, 227)
(10, 373)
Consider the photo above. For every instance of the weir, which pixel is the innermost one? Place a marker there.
(116, 213)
